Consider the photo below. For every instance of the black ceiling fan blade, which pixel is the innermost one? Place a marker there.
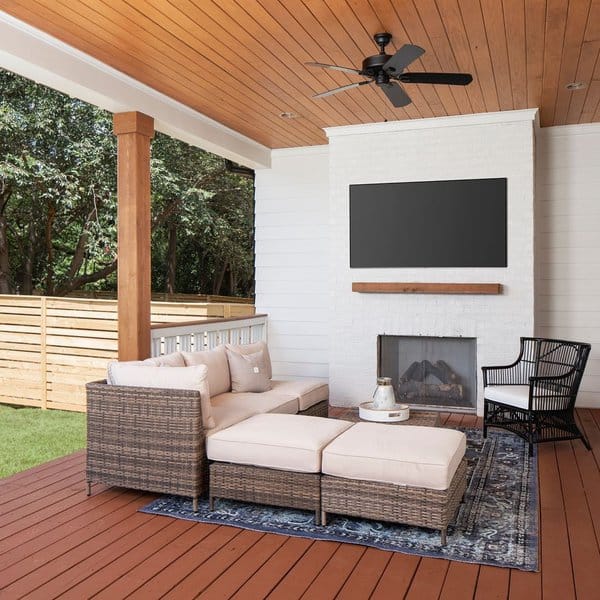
(396, 94)
(341, 89)
(403, 57)
(335, 67)
(443, 78)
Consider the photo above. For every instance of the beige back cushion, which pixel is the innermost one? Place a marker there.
(248, 372)
(219, 380)
(175, 359)
(175, 378)
(251, 349)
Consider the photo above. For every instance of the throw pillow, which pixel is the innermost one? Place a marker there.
(174, 359)
(218, 369)
(251, 349)
(248, 372)
(174, 378)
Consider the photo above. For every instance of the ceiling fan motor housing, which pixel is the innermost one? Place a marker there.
(372, 65)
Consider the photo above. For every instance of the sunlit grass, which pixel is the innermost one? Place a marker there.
(30, 436)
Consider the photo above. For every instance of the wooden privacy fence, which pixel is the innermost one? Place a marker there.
(51, 347)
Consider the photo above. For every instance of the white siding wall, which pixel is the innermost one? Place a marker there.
(568, 242)
(292, 260)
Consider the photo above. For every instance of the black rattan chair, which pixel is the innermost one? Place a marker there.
(535, 396)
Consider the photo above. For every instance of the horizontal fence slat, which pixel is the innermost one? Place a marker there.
(83, 362)
(77, 323)
(20, 338)
(51, 347)
(20, 401)
(12, 319)
(84, 333)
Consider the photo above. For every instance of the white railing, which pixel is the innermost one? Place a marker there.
(193, 336)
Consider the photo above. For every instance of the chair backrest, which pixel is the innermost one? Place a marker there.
(544, 357)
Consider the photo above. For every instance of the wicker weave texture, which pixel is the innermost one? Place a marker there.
(146, 438)
(265, 486)
(318, 410)
(396, 503)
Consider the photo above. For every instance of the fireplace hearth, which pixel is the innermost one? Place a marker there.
(428, 371)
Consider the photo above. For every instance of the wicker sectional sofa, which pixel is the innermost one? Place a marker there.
(152, 438)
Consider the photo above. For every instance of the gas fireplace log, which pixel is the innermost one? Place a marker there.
(418, 389)
(419, 370)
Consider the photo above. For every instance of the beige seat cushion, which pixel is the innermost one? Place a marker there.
(173, 378)
(288, 442)
(219, 380)
(227, 414)
(271, 401)
(404, 455)
(308, 391)
(513, 395)
(252, 349)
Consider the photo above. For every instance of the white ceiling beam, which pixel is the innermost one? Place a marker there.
(36, 55)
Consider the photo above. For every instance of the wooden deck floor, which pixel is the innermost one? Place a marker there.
(55, 542)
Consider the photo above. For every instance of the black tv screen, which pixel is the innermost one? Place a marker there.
(455, 223)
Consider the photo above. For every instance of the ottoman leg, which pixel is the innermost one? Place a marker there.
(211, 503)
(323, 518)
(195, 503)
(317, 517)
(443, 536)
(89, 488)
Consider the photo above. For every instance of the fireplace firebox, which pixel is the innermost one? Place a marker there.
(428, 371)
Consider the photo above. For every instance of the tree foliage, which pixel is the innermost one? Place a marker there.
(58, 203)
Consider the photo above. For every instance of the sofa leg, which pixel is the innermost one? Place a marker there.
(211, 503)
(323, 518)
(443, 536)
(89, 488)
(195, 503)
(317, 517)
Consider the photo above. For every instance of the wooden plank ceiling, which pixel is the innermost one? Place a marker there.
(241, 62)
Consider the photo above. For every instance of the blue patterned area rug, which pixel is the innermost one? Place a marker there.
(496, 525)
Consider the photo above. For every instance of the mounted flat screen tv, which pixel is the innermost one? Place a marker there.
(455, 223)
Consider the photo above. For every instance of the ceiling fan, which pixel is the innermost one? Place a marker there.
(387, 72)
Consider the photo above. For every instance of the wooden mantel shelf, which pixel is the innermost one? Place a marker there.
(374, 287)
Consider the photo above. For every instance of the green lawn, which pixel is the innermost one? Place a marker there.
(30, 436)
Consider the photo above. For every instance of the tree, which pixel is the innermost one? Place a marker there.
(204, 212)
(57, 186)
(58, 203)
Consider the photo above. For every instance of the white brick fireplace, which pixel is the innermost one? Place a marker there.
(468, 147)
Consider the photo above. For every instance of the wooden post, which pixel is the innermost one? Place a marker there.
(134, 131)
(43, 353)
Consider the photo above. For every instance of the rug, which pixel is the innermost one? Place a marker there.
(497, 524)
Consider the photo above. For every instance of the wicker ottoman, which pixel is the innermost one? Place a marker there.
(410, 475)
(271, 459)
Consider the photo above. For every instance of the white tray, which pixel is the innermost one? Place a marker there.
(400, 412)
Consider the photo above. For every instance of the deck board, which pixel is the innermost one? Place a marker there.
(57, 543)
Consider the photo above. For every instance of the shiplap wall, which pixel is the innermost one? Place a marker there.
(568, 242)
(292, 261)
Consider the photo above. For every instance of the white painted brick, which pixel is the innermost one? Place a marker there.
(477, 151)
